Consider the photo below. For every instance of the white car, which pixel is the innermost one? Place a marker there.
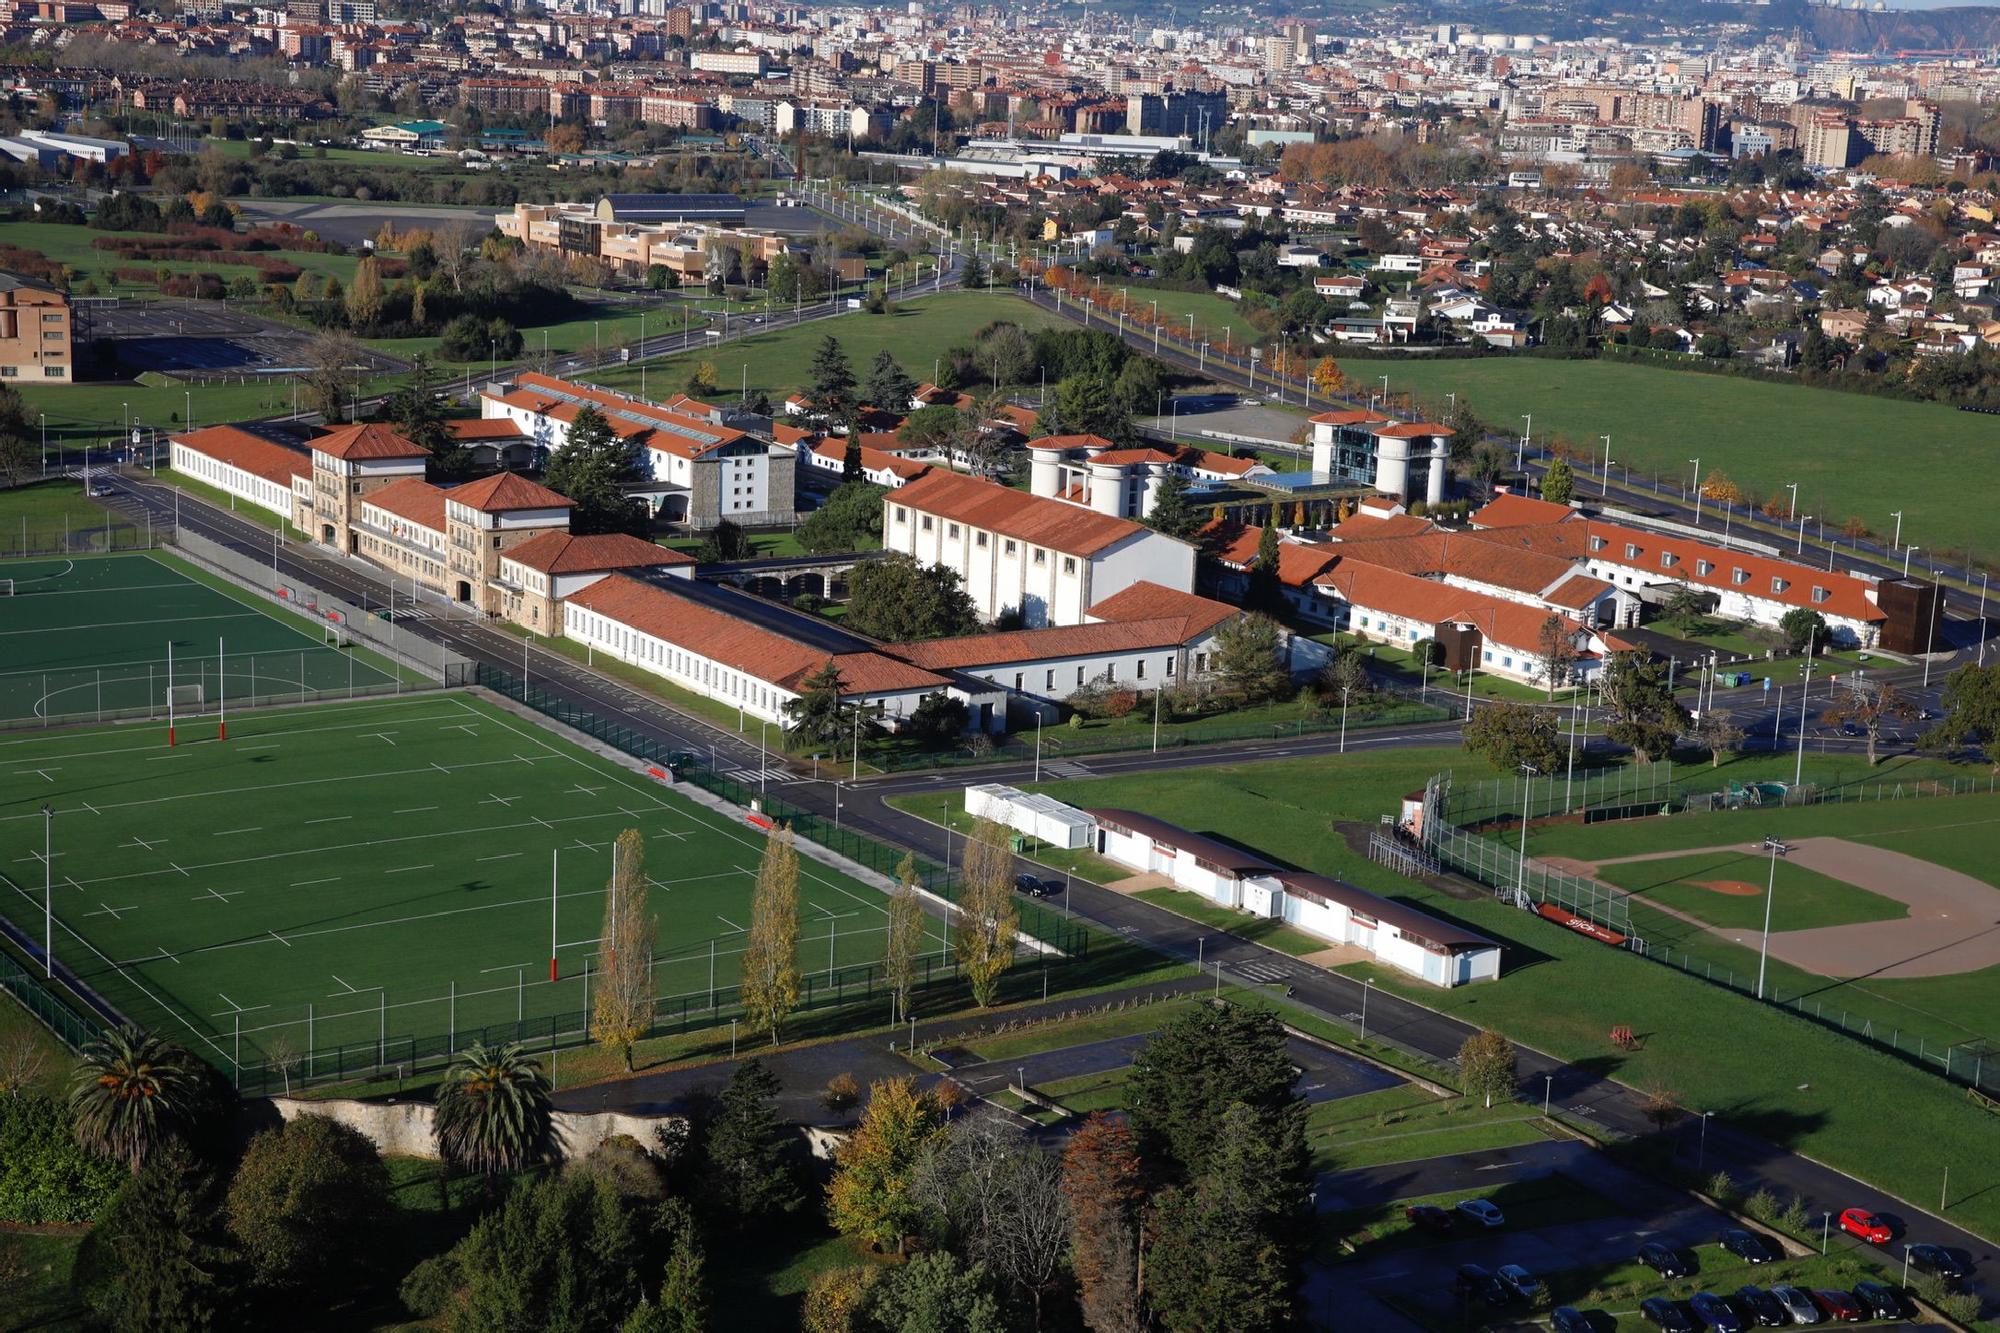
(1519, 1281)
(1483, 1212)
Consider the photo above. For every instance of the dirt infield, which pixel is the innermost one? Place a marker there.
(1953, 924)
(1730, 888)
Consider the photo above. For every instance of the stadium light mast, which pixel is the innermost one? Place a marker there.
(1776, 848)
(48, 890)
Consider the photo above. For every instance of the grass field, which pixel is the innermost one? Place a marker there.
(92, 636)
(98, 412)
(75, 246)
(1762, 436)
(1861, 1111)
(1810, 899)
(37, 516)
(916, 333)
(372, 871)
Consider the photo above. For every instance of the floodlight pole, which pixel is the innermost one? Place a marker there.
(1799, 773)
(170, 694)
(555, 857)
(221, 693)
(1776, 848)
(48, 891)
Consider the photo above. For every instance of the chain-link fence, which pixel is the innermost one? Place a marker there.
(369, 625)
(45, 538)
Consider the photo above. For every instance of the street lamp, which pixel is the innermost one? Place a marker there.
(1906, 559)
(1038, 746)
(1344, 691)
(1367, 984)
(48, 890)
(1701, 1153)
(1697, 488)
(1527, 429)
(1606, 488)
(1793, 487)
(1521, 868)
(1800, 547)
(1897, 540)
(1548, 1085)
(1776, 848)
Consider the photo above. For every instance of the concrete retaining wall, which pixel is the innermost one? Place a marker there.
(403, 1129)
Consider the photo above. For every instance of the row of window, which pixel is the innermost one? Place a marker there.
(1705, 568)
(48, 372)
(1039, 555)
(232, 479)
(713, 680)
(1172, 661)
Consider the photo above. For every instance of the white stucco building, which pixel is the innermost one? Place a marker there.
(1041, 559)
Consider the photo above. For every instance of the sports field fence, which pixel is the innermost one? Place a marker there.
(116, 533)
(369, 625)
(1929, 1041)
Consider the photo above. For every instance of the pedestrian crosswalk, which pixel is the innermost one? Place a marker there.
(1263, 971)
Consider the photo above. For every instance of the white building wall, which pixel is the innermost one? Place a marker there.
(273, 496)
(760, 699)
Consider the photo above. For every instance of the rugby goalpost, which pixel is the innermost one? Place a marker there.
(196, 694)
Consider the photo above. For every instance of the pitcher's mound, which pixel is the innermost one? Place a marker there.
(1734, 888)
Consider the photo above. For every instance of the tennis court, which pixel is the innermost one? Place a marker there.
(339, 881)
(91, 638)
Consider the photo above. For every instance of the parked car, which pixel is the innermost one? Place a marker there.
(1473, 1282)
(1569, 1319)
(1030, 885)
(1714, 1312)
(1939, 1262)
(1667, 1315)
(1483, 1212)
(1663, 1259)
(1838, 1305)
(1519, 1280)
(1430, 1217)
(1860, 1222)
(1760, 1305)
(1798, 1305)
(1881, 1302)
(1748, 1246)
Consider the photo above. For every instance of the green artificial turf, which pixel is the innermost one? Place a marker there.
(1862, 1111)
(1762, 436)
(355, 873)
(1805, 899)
(89, 638)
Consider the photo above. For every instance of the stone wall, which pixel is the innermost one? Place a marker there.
(403, 1129)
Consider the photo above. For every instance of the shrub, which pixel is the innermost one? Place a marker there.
(842, 1091)
(431, 1286)
(1762, 1205)
(1721, 1187)
(1961, 1306)
(45, 1175)
(1119, 702)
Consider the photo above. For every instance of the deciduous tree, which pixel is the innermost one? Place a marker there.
(305, 1202)
(1486, 1066)
(771, 975)
(869, 1197)
(1869, 705)
(899, 598)
(1507, 735)
(1644, 714)
(986, 918)
(1105, 1189)
(904, 938)
(1556, 651)
(622, 1003)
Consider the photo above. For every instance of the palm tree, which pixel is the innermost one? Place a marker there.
(131, 1092)
(493, 1111)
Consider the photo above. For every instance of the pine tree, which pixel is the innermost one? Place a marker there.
(622, 1003)
(683, 1302)
(771, 976)
(830, 383)
(1172, 514)
(746, 1153)
(890, 388)
(987, 917)
(590, 468)
(1223, 1257)
(1559, 482)
(905, 937)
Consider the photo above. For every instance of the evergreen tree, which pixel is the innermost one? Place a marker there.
(1192, 1070)
(157, 1262)
(591, 469)
(683, 1303)
(851, 468)
(933, 1292)
(890, 388)
(1248, 657)
(972, 274)
(1172, 514)
(818, 718)
(418, 410)
(830, 383)
(305, 1202)
(899, 598)
(1224, 1257)
(1559, 483)
(1644, 715)
(748, 1170)
(1265, 590)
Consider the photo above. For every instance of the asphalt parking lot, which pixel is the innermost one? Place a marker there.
(1229, 415)
(201, 339)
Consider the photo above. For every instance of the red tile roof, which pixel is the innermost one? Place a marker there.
(1297, 565)
(482, 430)
(411, 498)
(504, 492)
(366, 440)
(874, 460)
(555, 552)
(1352, 416)
(755, 651)
(648, 424)
(1146, 600)
(1677, 558)
(1515, 511)
(252, 453)
(1012, 513)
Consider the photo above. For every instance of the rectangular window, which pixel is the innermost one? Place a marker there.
(1668, 559)
(1597, 543)
(1822, 595)
(1050, 683)
(979, 539)
(52, 372)
(1704, 567)
(1017, 680)
(926, 521)
(1739, 575)
(1489, 655)
(1201, 661)
(1009, 548)
(902, 514)
(1069, 564)
(1041, 556)
(1778, 584)
(1142, 668)
(1173, 666)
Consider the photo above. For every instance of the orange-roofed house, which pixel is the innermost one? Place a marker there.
(537, 577)
(1024, 555)
(451, 540)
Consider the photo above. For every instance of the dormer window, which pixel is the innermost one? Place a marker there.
(1704, 568)
(1778, 584)
(1631, 551)
(1739, 575)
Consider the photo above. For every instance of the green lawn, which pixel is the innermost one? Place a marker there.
(762, 545)
(1619, 1288)
(1212, 314)
(1271, 934)
(917, 333)
(1809, 898)
(396, 880)
(44, 515)
(1075, 1032)
(1541, 1201)
(1086, 1093)
(762, 1285)
(1408, 1124)
(42, 1300)
(98, 412)
(1417, 1145)
(1762, 436)
(1861, 1111)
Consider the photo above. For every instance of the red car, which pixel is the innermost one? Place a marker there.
(1838, 1305)
(1860, 1222)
